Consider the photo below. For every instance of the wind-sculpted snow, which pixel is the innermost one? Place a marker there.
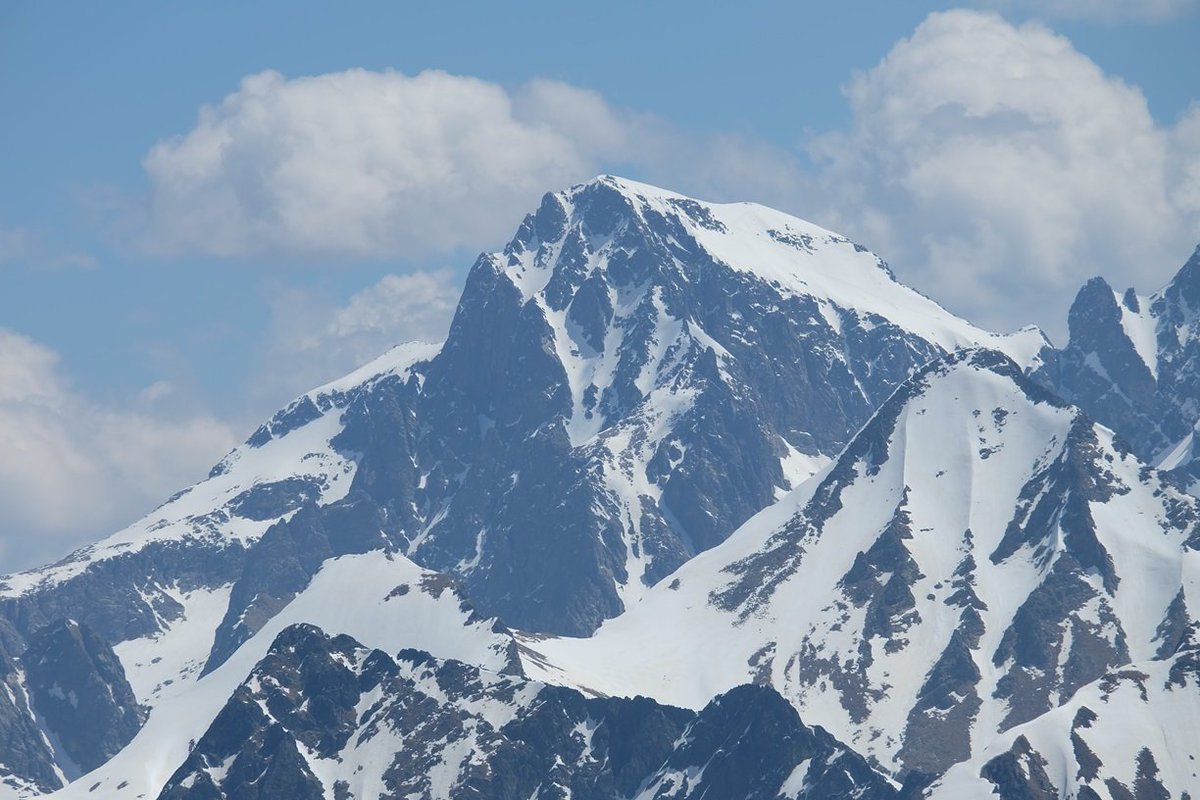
(978, 553)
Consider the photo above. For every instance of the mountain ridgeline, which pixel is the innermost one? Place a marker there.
(695, 500)
(965, 566)
(1133, 362)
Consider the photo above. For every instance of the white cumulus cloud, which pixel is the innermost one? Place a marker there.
(999, 168)
(399, 307)
(368, 164)
(75, 470)
(314, 340)
(994, 165)
(363, 164)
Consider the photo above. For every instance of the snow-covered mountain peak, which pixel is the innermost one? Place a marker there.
(627, 348)
(725, 441)
(1098, 312)
(645, 341)
(627, 234)
(1184, 288)
(1131, 361)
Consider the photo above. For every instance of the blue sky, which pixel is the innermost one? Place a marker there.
(996, 156)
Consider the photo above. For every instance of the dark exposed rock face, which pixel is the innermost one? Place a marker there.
(1102, 371)
(65, 708)
(1179, 348)
(774, 754)
(326, 705)
(80, 693)
(272, 500)
(122, 597)
(881, 578)
(529, 501)
(26, 758)
(1054, 520)
(1020, 774)
(1153, 405)
(939, 725)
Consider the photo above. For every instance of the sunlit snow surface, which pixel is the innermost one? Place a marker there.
(195, 514)
(1099, 734)
(1141, 328)
(794, 257)
(949, 459)
(964, 471)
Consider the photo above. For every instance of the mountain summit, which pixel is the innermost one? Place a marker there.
(662, 368)
(630, 379)
(1133, 362)
(725, 445)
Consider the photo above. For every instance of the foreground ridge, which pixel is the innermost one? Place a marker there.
(415, 726)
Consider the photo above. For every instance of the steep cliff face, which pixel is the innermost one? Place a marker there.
(634, 376)
(27, 763)
(66, 708)
(1133, 362)
(79, 689)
